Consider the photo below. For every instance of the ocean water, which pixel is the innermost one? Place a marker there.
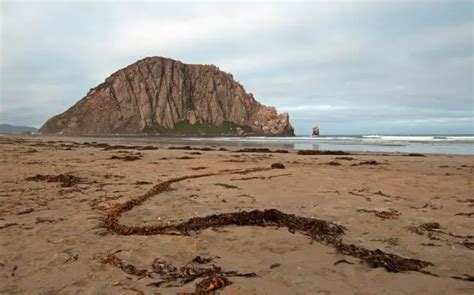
(429, 144)
(426, 144)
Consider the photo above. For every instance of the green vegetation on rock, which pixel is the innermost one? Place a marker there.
(186, 128)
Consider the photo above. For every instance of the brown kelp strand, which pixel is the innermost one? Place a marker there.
(213, 277)
(318, 152)
(66, 180)
(261, 150)
(378, 258)
(319, 230)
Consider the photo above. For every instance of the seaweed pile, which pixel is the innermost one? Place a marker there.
(384, 214)
(126, 158)
(415, 155)
(108, 147)
(129, 147)
(193, 148)
(318, 152)
(368, 162)
(66, 180)
(213, 277)
(322, 231)
(261, 150)
(434, 231)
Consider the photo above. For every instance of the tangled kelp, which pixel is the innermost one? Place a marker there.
(213, 277)
(434, 231)
(192, 148)
(108, 147)
(368, 162)
(66, 180)
(384, 214)
(322, 231)
(127, 158)
(278, 166)
(261, 150)
(318, 152)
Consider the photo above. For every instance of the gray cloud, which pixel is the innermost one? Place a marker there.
(360, 67)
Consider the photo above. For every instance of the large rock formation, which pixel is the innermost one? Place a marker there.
(161, 95)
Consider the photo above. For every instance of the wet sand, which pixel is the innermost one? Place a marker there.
(56, 198)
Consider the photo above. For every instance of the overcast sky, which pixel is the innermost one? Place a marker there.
(350, 67)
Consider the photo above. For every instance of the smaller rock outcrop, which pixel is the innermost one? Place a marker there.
(316, 131)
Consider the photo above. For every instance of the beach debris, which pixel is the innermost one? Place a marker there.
(127, 158)
(322, 231)
(333, 163)
(343, 261)
(368, 162)
(212, 283)
(261, 150)
(72, 258)
(198, 168)
(202, 260)
(128, 268)
(345, 158)
(8, 225)
(235, 161)
(127, 147)
(357, 194)
(465, 277)
(470, 202)
(378, 258)
(469, 214)
(278, 166)
(248, 178)
(190, 148)
(468, 244)
(213, 277)
(430, 226)
(415, 155)
(66, 180)
(108, 147)
(109, 176)
(148, 148)
(392, 242)
(380, 193)
(319, 152)
(162, 267)
(46, 220)
(430, 245)
(26, 211)
(194, 153)
(12, 273)
(278, 175)
(140, 182)
(186, 147)
(229, 186)
(275, 265)
(384, 214)
(390, 214)
(433, 231)
(184, 158)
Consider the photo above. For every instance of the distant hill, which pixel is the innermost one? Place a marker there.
(7, 128)
(163, 96)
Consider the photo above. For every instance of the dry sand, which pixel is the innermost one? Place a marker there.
(53, 240)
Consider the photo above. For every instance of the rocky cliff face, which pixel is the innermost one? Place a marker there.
(162, 95)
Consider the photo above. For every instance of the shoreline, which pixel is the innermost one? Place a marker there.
(56, 197)
(186, 142)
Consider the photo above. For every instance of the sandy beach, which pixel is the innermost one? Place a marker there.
(97, 218)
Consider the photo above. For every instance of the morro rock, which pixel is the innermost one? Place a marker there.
(163, 96)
